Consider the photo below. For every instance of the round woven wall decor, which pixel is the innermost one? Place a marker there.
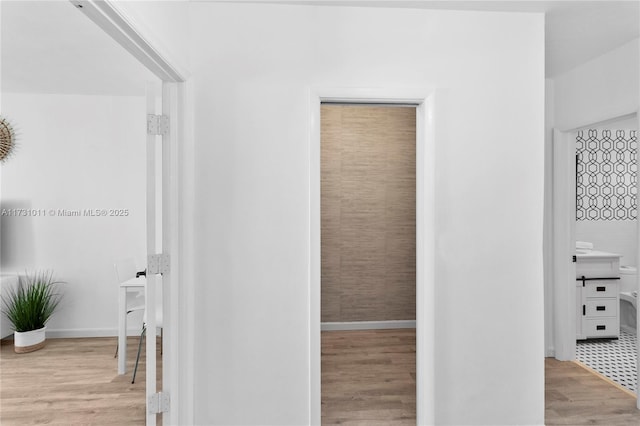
(7, 139)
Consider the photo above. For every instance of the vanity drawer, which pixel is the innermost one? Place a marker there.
(602, 327)
(601, 308)
(604, 288)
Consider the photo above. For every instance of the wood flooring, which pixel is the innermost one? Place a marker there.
(71, 382)
(369, 377)
(576, 396)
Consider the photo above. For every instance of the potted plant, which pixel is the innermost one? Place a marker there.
(28, 307)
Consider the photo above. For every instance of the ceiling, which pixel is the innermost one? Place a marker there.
(577, 32)
(50, 47)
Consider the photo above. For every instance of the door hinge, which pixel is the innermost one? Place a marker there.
(157, 124)
(158, 264)
(159, 403)
(575, 258)
(584, 310)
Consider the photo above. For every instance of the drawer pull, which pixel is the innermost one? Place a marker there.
(601, 327)
(603, 288)
(601, 308)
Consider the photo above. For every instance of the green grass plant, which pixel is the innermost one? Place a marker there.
(30, 304)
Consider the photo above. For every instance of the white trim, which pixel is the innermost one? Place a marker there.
(62, 333)
(170, 240)
(601, 120)
(637, 278)
(425, 237)
(314, 261)
(153, 280)
(367, 325)
(122, 29)
(564, 272)
(186, 321)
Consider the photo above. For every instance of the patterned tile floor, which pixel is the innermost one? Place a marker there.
(614, 359)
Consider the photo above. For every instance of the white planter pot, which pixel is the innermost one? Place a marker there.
(28, 341)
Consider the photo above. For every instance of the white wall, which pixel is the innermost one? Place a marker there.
(616, 236)
(253, 66)
(76, 152)
(601, 89)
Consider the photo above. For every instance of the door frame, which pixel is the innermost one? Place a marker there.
(425, 102)
(563, 242)
(178, 208)
(564, 237)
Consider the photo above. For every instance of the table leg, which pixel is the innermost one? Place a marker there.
(122, 330)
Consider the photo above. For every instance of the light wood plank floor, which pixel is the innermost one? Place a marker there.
(576, 396)
(369, 377)
(71, 382)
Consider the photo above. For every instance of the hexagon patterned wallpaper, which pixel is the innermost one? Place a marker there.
(606, 174)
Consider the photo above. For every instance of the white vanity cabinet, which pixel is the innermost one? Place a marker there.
(597, 303)
(597, 295)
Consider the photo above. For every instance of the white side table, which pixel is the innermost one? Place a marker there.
(131, 284)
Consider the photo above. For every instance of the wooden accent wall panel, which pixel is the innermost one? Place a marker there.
(368, 213)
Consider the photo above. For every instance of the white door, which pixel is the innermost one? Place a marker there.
(162, 263)
(564, 223)
(153, 300)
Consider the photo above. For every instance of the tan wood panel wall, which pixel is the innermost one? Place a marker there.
(368, 200)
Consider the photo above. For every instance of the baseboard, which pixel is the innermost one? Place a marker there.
(88, 332)
(84, 332)
(367, 325)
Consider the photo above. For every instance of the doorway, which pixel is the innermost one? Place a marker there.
(130, 49)
(368, 262)
(595, 190)
(425, 237)
(173, 403)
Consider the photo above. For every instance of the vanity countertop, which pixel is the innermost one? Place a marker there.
(597, 264)
(595, 254)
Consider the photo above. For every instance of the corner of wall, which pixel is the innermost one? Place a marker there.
(548, 217)
(601, 89)
(165, 25)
